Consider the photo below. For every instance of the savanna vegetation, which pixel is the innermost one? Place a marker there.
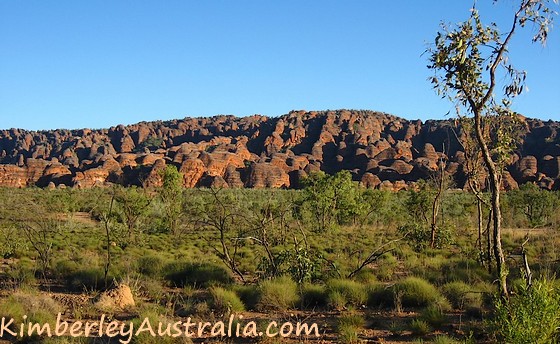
(434, 264)
(358, 262)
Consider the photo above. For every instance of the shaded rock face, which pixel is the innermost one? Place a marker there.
(381, 150)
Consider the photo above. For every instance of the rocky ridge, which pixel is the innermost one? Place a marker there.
(381, 150)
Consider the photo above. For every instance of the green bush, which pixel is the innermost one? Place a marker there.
(419, 327)
(443, 339)
(249, 295)
(202, 275)
(417, 292)
(151, 289)
(532, 315)
(380, 296)
(343, 292)
(348, 327)
(226, 301)
(38, 307)
(313, 296)
(278, 294)
(462, 296)
(22, 273)
(150, 265)
(86, 279)
(433, 316)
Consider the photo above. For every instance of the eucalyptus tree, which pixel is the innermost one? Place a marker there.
(471, 62)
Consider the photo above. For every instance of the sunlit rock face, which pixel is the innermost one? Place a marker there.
(381, 150)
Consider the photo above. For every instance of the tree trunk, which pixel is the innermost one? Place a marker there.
(489, 242)
(495, 203)
(436, 204)
(480, 224)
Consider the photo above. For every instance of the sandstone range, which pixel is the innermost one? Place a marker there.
(381, 150)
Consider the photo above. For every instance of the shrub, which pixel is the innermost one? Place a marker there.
(433, 316)
(313, 295)
(278, 294)
(152, 289)
(386, 269)
(443, 339)
(22, 273)
(379, 295)
(88, 279)
(417, 292)
(342, 292)
(249, 295)
(39, 308)
(530, 316)
(462, 296)
(150, 265)
(196, 274)
(226, 301)
(348, 327)
(365, 276)
(465, 270)
(336, 300)
(419, 327)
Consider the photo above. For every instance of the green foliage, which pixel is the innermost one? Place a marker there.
(313, 296)
(226, 301)
(380, 295)
(37, 307)
(420, 327)
(343, 293)
(12, 244)
(419, 204)
(443, 339)
(151, 142)
(348, 327)
(150, 265)
(417, 292)
(330, 200)
(537, 205)
(23, 273)
(434, 316)
(462, 296)
(170, 195)
(83, 279)
(532, 315)
(199, 275)
(297, 261)
(278, 294)
(249, 295)
(132, 206)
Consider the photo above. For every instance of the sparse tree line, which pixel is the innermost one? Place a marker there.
(330, 230)
(332, 233)
(279, 225)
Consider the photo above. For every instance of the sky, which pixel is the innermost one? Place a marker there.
(76, 64)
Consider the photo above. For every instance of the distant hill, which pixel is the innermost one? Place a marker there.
(381, 151)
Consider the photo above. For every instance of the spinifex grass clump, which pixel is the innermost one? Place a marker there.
(462, 296)
(346, 293)
(226, 301)
(31, 304)
(417, 292)
(278, 294)
(196, 274)
(348, 328)
(313, 296)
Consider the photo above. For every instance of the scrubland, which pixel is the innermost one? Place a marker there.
(359, 263)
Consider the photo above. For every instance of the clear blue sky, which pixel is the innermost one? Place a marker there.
(74, 64)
